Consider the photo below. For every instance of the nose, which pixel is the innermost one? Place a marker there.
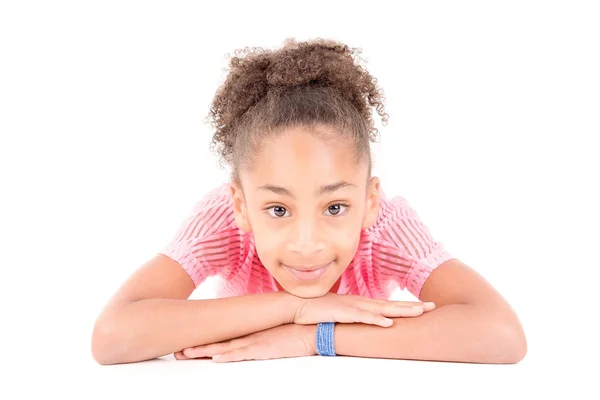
(306, 239)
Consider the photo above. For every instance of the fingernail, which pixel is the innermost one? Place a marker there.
(430, 303)
(190, 352)
(216, 357)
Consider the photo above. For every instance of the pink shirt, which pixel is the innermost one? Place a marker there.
(397, 251)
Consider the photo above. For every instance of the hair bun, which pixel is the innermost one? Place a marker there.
(256, 72)
(307, 63)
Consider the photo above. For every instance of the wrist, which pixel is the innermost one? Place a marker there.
(310, 338)
(325, 339)
(291, 305)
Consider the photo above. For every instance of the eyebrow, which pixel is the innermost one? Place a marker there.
(325, 189)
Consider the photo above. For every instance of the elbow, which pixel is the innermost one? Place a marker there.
(510, 344)
(519, 344)
(106, 342)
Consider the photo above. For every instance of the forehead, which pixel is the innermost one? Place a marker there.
(300, 159)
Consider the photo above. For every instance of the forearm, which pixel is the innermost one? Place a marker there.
(456, 332)
(151, 328)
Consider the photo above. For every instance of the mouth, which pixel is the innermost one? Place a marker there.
(308, 273)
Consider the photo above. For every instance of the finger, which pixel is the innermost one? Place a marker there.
(210, 350)
(367, 317)
(206, 350)
(392, 310)
(398, 311)
(250, 352)
(180, 356)
(426, 305)
(398, 302)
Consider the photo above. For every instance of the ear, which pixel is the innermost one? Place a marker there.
(239, 207)
(372, 203)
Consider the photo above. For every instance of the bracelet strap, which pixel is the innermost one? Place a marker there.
(325, 344)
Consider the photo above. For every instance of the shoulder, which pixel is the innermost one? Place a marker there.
(400, 226)
(391, 211)
(209, 227)
(209, 216)
(403, 246)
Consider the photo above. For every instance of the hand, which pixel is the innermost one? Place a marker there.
(351, 308)
(283, 341)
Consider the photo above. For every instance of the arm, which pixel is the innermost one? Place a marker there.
(471, 323)
(150, 315)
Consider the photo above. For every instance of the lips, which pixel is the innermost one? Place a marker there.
(307, 269)
(304, 273)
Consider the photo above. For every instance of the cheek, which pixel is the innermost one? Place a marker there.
(343, 239)
(269, 246)
(347, 234)
(346, 244)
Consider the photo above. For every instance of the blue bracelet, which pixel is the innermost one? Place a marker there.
(325, 345)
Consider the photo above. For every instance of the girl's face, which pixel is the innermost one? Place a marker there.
(306, 202)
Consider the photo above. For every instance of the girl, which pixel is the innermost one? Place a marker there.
(308, 246)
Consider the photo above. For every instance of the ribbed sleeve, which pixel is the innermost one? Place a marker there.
(404, 251)
(207, 241)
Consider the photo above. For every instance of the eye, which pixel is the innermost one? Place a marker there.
(278, 211)
(337, 209)
(334, 210)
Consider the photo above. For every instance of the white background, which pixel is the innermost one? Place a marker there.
(494, 121)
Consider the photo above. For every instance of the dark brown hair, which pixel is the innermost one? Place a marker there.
(309, 84)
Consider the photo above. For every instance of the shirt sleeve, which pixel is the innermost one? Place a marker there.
(406, 251)
(201, 243)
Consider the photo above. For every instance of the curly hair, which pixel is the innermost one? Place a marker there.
(309, 84)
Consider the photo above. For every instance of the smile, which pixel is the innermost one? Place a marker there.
(306, 274)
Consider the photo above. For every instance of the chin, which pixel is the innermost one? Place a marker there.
(307, 288)
(307, 291)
